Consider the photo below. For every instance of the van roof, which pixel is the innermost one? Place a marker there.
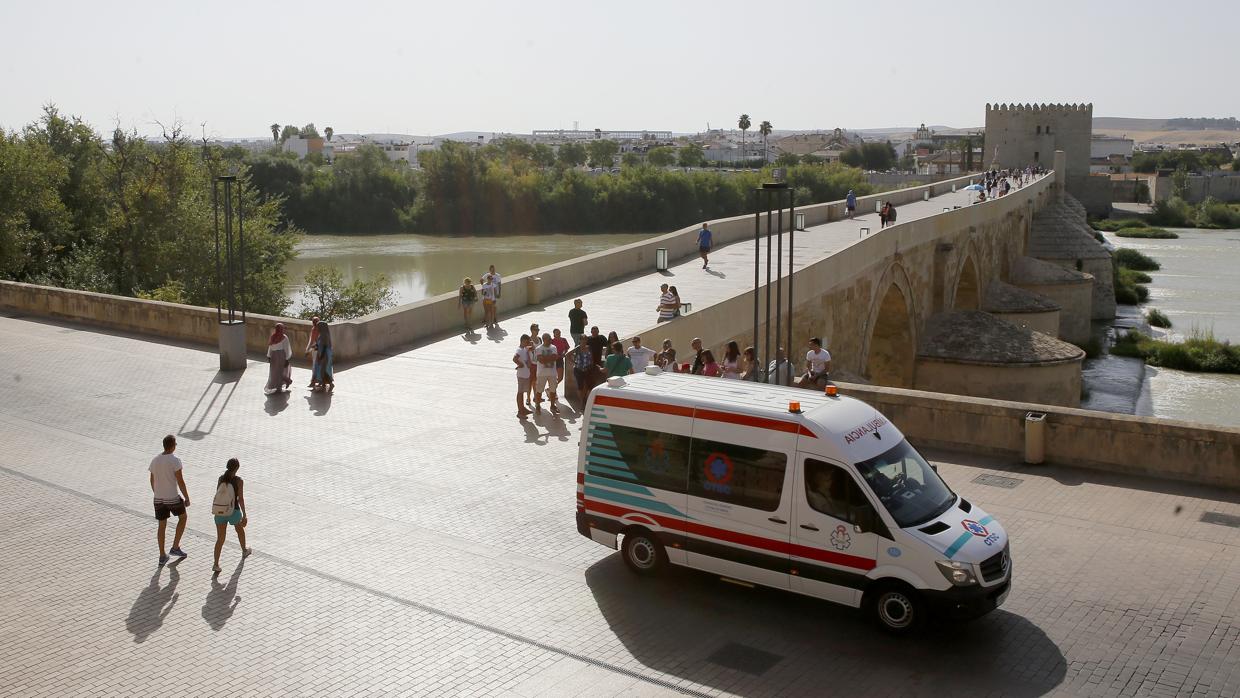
(842, 420)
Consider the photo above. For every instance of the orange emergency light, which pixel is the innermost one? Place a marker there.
(794, 407)
(832, 391)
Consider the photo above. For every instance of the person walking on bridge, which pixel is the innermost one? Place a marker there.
(577, 319)
(323, 373)
(168, 486)
(279, 353)
(311, 352)
(705, 240)
(850, 203)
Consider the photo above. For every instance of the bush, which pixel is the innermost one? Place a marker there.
(1173, 212)
(1113, 224)
(1157, 318)
(328, 297)
(1132, 276)
(1199, 352)
(1213, 213)
(1154, 233)
(1127, 257)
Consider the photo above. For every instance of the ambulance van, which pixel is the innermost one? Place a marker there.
(816, 493)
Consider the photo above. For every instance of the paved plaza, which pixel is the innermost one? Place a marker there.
(412, 536)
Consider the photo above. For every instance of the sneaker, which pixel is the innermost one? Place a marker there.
(216, 569)
(163, 560)
(178, 552)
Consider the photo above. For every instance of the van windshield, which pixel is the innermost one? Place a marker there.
(906, 485)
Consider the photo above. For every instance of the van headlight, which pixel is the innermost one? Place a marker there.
(958, 573)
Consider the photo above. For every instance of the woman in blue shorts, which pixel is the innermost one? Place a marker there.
(237, 518)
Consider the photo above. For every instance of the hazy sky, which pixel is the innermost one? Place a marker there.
(436, 67)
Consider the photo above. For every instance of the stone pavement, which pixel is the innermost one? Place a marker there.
(412, 537)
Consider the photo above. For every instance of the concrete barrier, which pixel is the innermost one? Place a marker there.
(1115, 443)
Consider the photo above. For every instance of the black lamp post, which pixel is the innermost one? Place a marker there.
(229, 271)
(770, 200)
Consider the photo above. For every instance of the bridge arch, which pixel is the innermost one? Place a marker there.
(891, 344)
(968, 295)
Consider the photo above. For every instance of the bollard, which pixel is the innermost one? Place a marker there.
(925, 195)
(660, 259)
(533, 290)
(1035, 437)
(800, 224)
(232, 346)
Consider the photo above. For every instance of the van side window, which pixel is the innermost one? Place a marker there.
(747, 477)
(832, 491)
(655, 459)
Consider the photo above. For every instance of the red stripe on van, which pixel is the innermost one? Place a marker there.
(784, 547)
(581, 478)
(712, 415)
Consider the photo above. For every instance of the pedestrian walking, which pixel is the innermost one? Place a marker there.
(279, 368)
(561, 348)
(730, 367)
(617, 363)
(170, 495)
(639, 356)
(467, 295)
(535, 340)
(577, 322)
(597, 344)
(891, 213)
(667, 358)
(710, 367)
(676, 302)
(667, 304)
(882, 215)
(323, 372)
(229, 509)
(705, 240)
(545, 355)
(850, 203)
(521, 357)
(311, 352)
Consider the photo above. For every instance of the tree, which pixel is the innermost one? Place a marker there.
(275, 132)
(787, 159)
(289, 131)
(329, 131)
(744, 124)
(765, 129)
(602, 152)
(811, 159)
(691, 155)
(327, 297)
(308, 131)
(571, 155)
(1235, 165)
(661, 156)
(631, 159)
(1179, 183)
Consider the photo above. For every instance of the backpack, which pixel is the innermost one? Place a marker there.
(225, 502)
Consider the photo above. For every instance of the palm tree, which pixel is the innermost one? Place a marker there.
(744, 124)
(275, 132)
(765, 129)
(328, 132)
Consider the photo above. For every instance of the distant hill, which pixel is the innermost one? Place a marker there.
(1110, 123)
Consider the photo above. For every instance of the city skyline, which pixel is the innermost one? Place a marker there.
(499, 68)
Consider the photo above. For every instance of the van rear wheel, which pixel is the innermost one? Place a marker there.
(896, 607)
(642, 552)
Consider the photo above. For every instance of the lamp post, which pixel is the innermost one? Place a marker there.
(770, 200)
(226, 198)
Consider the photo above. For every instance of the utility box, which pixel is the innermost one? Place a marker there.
(925, 195)
(232, 346)
(800, 221)
(1035, 437)
(660, 259)
(533, 290)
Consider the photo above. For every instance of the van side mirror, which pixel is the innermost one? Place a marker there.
(864, 519)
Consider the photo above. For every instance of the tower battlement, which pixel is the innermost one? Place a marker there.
(1017, 108)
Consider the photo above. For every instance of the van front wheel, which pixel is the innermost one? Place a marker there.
(895, 607)
(642, 552)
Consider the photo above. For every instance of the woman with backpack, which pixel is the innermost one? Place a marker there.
(229, 509)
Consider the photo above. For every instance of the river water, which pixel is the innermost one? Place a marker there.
(421, 266)
(1198, 288)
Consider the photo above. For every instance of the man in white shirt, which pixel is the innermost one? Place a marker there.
(497, 280)
(522, 359)
(817, 364)
(640, 356)
(166, 480)
(667, 305)
(546, 354)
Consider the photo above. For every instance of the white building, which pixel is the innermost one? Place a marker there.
(1106, 146)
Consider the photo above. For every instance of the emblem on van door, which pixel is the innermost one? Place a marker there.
(975, 528)
(840, 540)
(718, 471)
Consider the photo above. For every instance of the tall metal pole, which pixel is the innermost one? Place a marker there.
(779, 265)
(219, 291)
(757, 257)
(232, 299)
(792, 231)
(241, 239)
(767, 202)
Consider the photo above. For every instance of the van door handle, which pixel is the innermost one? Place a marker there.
(809, 527)
(776, 519)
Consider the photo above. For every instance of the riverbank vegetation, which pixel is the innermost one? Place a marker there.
(1129, 275)
(1157, 318)
(327, 297)
(1132, 228)
(1200, 351)
(128, 216)
(1175, 212)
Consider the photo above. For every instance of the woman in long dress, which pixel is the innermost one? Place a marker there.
(279, 370)
(311, 353)
(323, 358)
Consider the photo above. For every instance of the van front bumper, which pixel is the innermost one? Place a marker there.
(966, 603)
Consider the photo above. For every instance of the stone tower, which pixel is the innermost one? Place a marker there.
(1028, 135)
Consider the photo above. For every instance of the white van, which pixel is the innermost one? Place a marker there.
(811, 492)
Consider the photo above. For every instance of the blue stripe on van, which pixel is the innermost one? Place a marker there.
(647, 504)
(602, 470)
(603, 441)
(592, 457)
(604, 451)
(964, 538)
(615, 484)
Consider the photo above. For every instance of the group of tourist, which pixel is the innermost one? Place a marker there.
(280, 359)
(490, 290)
(996, 183)
(887, 215)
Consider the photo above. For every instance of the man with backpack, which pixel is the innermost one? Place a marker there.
(166, 480)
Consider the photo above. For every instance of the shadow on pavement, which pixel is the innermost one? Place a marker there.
(276, 403)
(210, 412)
(675, 622)
(319, 402)
(222, 600)
(153, 604)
